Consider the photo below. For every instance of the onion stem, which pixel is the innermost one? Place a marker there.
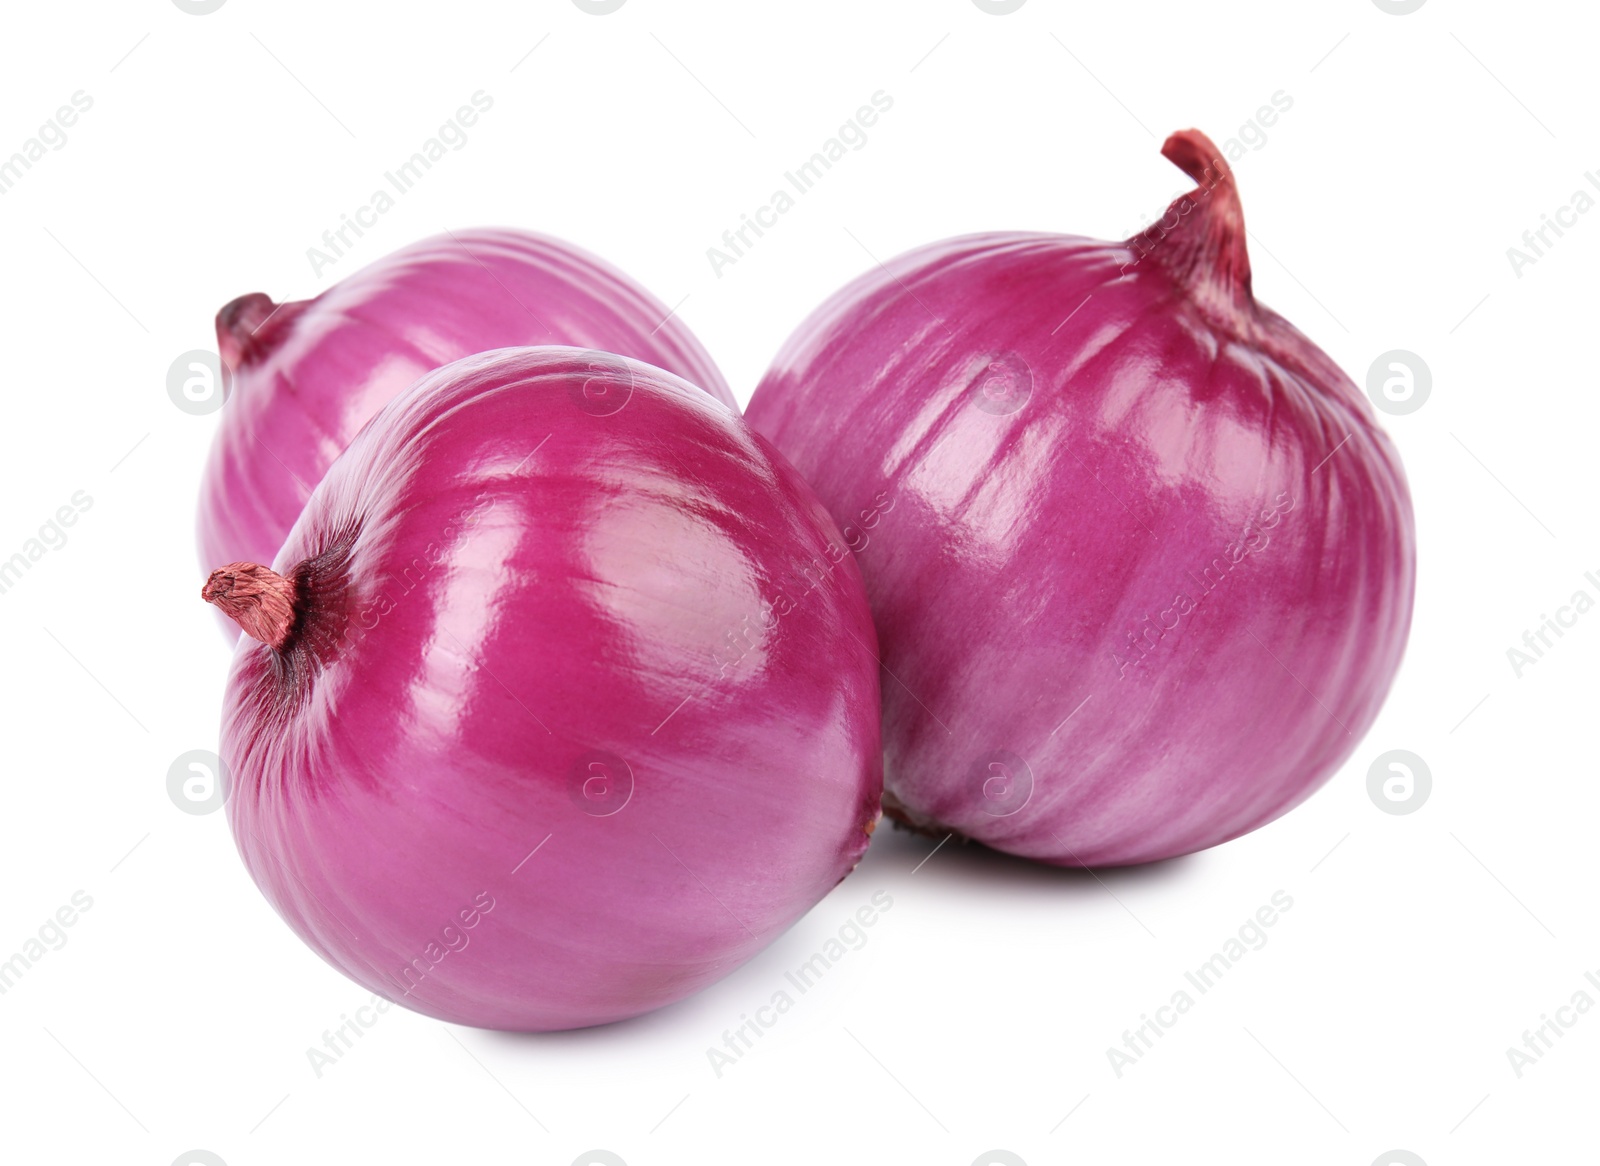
(1200, 241)
(257, 598)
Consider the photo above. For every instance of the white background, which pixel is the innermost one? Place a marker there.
(978, 1015)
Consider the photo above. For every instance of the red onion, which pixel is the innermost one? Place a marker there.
(307, 375)
(1140, 560)
(565, 702)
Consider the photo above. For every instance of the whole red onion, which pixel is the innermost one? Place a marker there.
(1140, 560)
(566, 702)
(307, 375)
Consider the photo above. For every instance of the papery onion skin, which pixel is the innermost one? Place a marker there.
(572, 640)
(1140, 559)
(306, 376)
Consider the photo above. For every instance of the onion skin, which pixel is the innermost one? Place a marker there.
(306, 376)
(527, 567)
(1140, 559)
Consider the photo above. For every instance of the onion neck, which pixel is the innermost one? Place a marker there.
(238, 326)
(257, 598)
(1200, 242)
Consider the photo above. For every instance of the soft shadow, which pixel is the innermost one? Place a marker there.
(897, 851)
(899, 859)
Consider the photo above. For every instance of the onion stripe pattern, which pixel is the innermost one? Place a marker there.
(1140, 558)
(560, 700)
(304, 377)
